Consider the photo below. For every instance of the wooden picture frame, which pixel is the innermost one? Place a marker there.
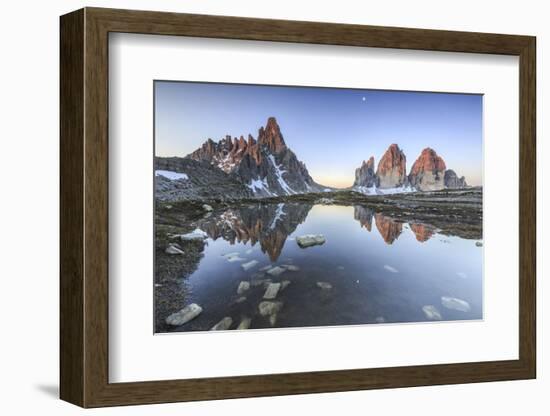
(84, 207)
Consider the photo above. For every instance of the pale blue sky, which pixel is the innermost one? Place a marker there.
(331, 130)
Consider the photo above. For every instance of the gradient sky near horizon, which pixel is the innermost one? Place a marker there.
(331, 130)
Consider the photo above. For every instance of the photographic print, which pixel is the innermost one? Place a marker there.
(290, 206)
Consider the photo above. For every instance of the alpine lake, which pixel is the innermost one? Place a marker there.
(390, 259)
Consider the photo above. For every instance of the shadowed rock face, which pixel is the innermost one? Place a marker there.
(267, 166)
(422, 232)
(452, 181)
(269, 225)
(365, 175)
(391, 171)
(427, 172)
(389, 229)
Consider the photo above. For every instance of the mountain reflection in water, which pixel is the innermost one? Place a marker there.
(390, 271)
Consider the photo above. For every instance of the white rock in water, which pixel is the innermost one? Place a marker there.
(276, 271)
(185, 315)
(284, 284)
(273, 319)
(456, 304)
(241, 299)
(243, 287)
(272, 290)
(245, 323)
(267, 307)
(263, 269)
(207, 208)
(172, 249)
(291, 267)
(224, 324)
(324, 285)
(261, 282)
(309, 240)
(462, 274)
(391, 269)
(249, 265)
(431, 312)
(233, 259)
(195, 235)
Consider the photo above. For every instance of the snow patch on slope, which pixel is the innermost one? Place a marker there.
(279, 172)
(171, 175)
(373, 190)
(259, 185)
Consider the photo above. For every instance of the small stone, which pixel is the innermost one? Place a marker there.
(479, 244)
(249, 265)
(195, 235)
(273, 319)
(268, 308)
(276, 271)
(224, 324)
(455, 304)
(431, 313)
(207, 207)
(240, 299)
(172, 249)
(284, 284)
(260, 282)
(391, 269)
(185, 315)
(291, 267)
(245, 323)
(168, 207)
(309, 240)
(272, 290)
(243, 287)
(324, 285)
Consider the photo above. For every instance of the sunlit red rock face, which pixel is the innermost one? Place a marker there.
(391, 171)
(422, 232)
(389, 229)
(428, 171)
(271, 136)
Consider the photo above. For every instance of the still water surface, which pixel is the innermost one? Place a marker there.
(379, 270)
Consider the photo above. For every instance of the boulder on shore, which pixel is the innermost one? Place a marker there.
(185, 315)
(224, 324)
(272, 290)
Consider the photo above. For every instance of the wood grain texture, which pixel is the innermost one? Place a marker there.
(71, 207)
(84, 205)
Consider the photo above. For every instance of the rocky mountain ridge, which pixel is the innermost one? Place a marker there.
(428, 173)
(266, 166)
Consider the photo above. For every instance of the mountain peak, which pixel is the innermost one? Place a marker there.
(271, 136)
(427, 172)
(391, 171)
